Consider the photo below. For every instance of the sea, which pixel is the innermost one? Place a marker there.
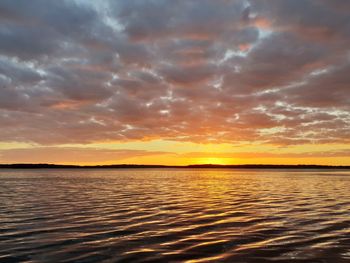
(174, 215)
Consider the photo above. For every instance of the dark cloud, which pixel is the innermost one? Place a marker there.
(329, 89)
(219, 71)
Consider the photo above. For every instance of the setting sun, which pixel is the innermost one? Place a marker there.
(213, 160)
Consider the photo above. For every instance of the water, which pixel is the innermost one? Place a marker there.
(169, 215)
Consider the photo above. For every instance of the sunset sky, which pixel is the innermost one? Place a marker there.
(175, 82)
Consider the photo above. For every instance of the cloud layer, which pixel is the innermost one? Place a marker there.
(215, 71)
(74, 155)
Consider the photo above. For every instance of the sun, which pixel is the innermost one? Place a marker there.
(212, 160)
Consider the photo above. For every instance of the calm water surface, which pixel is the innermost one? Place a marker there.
(174, 216)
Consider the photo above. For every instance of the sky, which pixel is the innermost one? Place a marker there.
(175, 82)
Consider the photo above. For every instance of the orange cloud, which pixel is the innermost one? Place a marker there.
(262, 22)
(69, 104)
(244, 47)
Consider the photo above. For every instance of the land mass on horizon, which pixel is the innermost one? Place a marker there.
(192, 166)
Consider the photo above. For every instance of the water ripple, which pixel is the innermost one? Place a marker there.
(174, 215)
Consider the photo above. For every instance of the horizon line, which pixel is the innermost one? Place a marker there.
(134, 166)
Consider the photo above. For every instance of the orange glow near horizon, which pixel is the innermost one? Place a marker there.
(174, 153)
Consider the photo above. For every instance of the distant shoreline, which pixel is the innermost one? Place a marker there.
(194, 166)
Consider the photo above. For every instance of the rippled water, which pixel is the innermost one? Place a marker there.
(174, 215)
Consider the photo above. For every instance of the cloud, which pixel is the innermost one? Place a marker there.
(71, 155)
(224, 71)
(257, 155)
(74, 155)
